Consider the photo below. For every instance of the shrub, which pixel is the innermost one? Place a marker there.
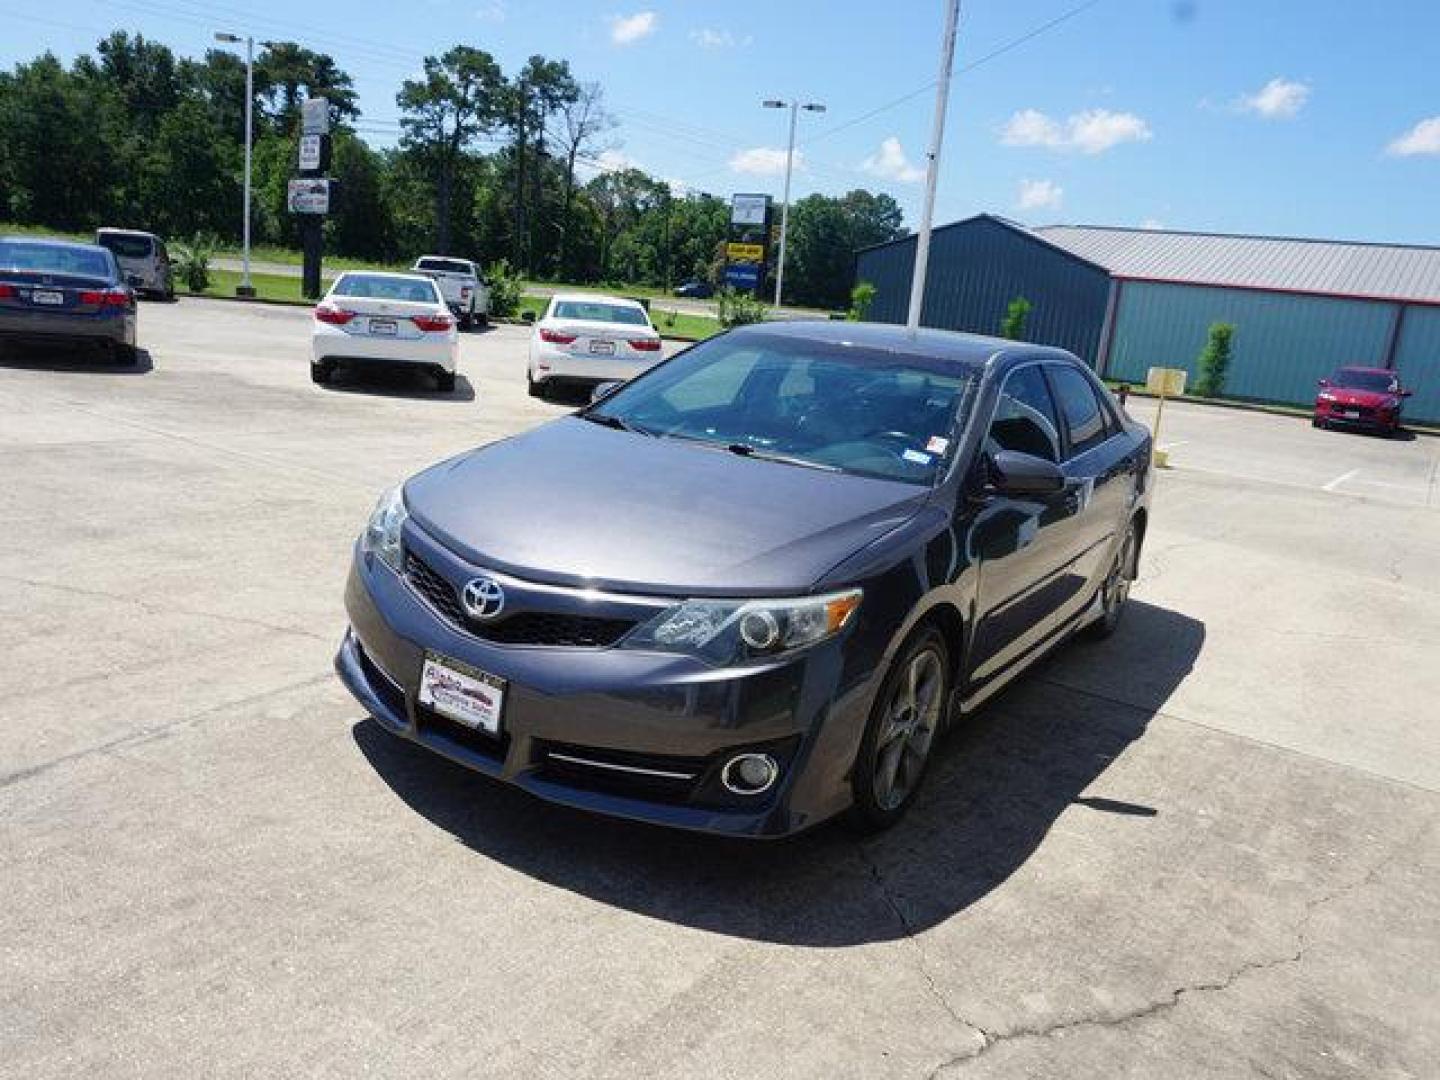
(1012, 327)
(861, 297)
(192, 261)
(736, 308)
(506, 288)
(1214, 361)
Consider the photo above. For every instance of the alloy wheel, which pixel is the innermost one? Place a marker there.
(912, 717)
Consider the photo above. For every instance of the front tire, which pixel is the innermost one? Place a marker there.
(905, 722)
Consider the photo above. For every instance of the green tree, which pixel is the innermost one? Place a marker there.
(861, 297)
(824, 235)
(582, 120)
(283, 69)
(1214, 362)
(1012, 327)
(458, 100)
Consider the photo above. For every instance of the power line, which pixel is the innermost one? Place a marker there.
(1001, 50)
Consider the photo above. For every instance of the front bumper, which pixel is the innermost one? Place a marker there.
(1372, 419)
(644, 712)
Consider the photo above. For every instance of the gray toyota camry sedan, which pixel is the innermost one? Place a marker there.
(749, 590)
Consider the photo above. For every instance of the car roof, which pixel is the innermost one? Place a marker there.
(126, 232)
(55, 242)
(968, 350)
(597, 298)
(447, 258)
(397, 274)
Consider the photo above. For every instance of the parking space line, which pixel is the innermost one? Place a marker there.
(1172, 445)
(1333, 484)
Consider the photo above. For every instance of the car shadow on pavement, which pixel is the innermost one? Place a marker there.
(60, 358)
(397, 382)
(998, 784)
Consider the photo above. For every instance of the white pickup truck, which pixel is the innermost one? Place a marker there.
(461, 284)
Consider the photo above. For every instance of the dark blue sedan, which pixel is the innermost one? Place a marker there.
(749, 589)
(58, 291)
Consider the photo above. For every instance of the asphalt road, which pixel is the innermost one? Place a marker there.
(1205, 848)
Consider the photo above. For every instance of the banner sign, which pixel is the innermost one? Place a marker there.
(749, 209)
(309, 195)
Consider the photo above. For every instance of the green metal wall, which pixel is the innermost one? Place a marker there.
(1283, 342)
(1417, 358)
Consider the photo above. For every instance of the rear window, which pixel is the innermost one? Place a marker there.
(446, 266)
(126, 247)
(600, 312)
(378, 287)
(56, 259)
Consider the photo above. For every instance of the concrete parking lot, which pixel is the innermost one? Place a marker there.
(1209, 847)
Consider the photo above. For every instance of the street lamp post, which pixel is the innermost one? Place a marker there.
(245, 288)
(794, 107)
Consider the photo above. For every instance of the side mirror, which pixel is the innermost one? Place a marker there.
(527, 316)
(1014, 473)
(1323, 382)
(604, 390)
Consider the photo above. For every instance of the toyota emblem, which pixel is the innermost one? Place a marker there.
(483, 597)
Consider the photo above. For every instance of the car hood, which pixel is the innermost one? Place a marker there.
(575, 503)
(1372, 399)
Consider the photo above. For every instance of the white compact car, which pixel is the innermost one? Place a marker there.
(587, 339)
(369, 317)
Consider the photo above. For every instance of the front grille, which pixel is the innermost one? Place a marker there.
(522, 628)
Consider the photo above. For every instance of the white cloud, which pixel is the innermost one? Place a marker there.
(1152, 223)
(708, 38)
(1423, 138)
(1040, 195)
(628, 29)
(1091, 132)
(890, 163)
(491, 11)
(1279, 99)
(763, 161)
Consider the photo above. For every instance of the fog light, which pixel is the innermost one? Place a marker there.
(749, 774)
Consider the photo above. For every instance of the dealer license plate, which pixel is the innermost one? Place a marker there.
(465, 694)
(605, 348)
(383, 327)
(46, 296)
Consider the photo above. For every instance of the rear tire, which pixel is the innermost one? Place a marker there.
(536, 390)
(483, 319)
(321, 372)
(125, 355)
(466, 322)
(445, 381)
(905, 723)
(1115, 589)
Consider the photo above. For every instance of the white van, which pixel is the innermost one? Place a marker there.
(144, 262)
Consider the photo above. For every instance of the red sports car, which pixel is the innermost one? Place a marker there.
(1360, 397)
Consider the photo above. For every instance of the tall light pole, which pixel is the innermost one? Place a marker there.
(245, 289)
(794, 107)
(932, 166)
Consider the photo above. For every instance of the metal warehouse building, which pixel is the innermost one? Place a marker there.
(1129, 299)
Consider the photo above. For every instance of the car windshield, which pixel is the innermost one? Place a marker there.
(597, 311)
(1376, 381)
(445, 266)
(867, 412)
(126, 247)
(379, 287)
(55, 259)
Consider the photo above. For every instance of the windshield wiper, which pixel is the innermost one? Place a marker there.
(606, 420)
(746, 450)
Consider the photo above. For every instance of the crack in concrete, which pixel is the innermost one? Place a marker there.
(1172, 1000)
(144, 735)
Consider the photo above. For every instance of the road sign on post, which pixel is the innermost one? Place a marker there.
(309, 193)
(747, 249)
(311, 153)
(1163, 383)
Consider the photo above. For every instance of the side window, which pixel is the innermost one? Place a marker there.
(1025, 416)
(1083, 413)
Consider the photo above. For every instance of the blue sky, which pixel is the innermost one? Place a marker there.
(1304, 117)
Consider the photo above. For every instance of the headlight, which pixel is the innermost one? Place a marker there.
(382, 531)
(725, 631)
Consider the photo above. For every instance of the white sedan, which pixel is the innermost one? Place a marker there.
(587, 339)
(370, 317)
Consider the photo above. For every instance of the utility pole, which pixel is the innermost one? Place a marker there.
(245, 288)
(932, 167)
(794, 107)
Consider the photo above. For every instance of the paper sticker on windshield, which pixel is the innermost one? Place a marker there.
(937, 445)
(916, 457)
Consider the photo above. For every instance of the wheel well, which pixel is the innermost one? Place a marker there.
(946, 618)
(1142, 518)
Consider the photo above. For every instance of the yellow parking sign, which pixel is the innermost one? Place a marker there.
(751, 253)
(1165, 381)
